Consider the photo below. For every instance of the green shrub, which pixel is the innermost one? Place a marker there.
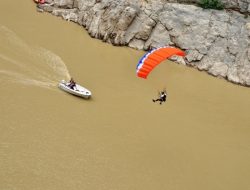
(211, 4)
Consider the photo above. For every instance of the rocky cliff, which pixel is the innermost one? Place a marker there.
(216, 41)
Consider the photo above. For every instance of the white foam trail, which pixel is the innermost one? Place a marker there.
(29, 65)
(19, 78)
(54, 62)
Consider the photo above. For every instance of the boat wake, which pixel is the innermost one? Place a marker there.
(28, 65)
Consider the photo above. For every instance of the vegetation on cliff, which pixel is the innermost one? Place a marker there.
(211, 4)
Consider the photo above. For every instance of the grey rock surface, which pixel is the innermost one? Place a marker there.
(214, 41)
(239, 5)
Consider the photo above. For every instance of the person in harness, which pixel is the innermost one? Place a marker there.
(162, 98)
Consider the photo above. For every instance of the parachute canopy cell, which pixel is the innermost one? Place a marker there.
(154, 57)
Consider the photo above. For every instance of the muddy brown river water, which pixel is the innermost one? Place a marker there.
(119, 139)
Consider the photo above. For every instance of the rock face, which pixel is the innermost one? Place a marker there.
(214, 41)
(239, 5)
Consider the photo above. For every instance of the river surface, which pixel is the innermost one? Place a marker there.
(119, 139)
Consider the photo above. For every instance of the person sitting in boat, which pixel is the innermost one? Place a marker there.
(162, 98)
(72, 83)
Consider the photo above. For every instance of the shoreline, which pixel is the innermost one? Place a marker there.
(220, 45)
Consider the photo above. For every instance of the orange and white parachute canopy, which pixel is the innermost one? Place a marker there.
(154, 57)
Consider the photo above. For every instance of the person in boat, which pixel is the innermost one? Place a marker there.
(72, 83)
(162, 98)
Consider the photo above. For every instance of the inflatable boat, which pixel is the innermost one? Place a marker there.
(77, 90)
(40, 1)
